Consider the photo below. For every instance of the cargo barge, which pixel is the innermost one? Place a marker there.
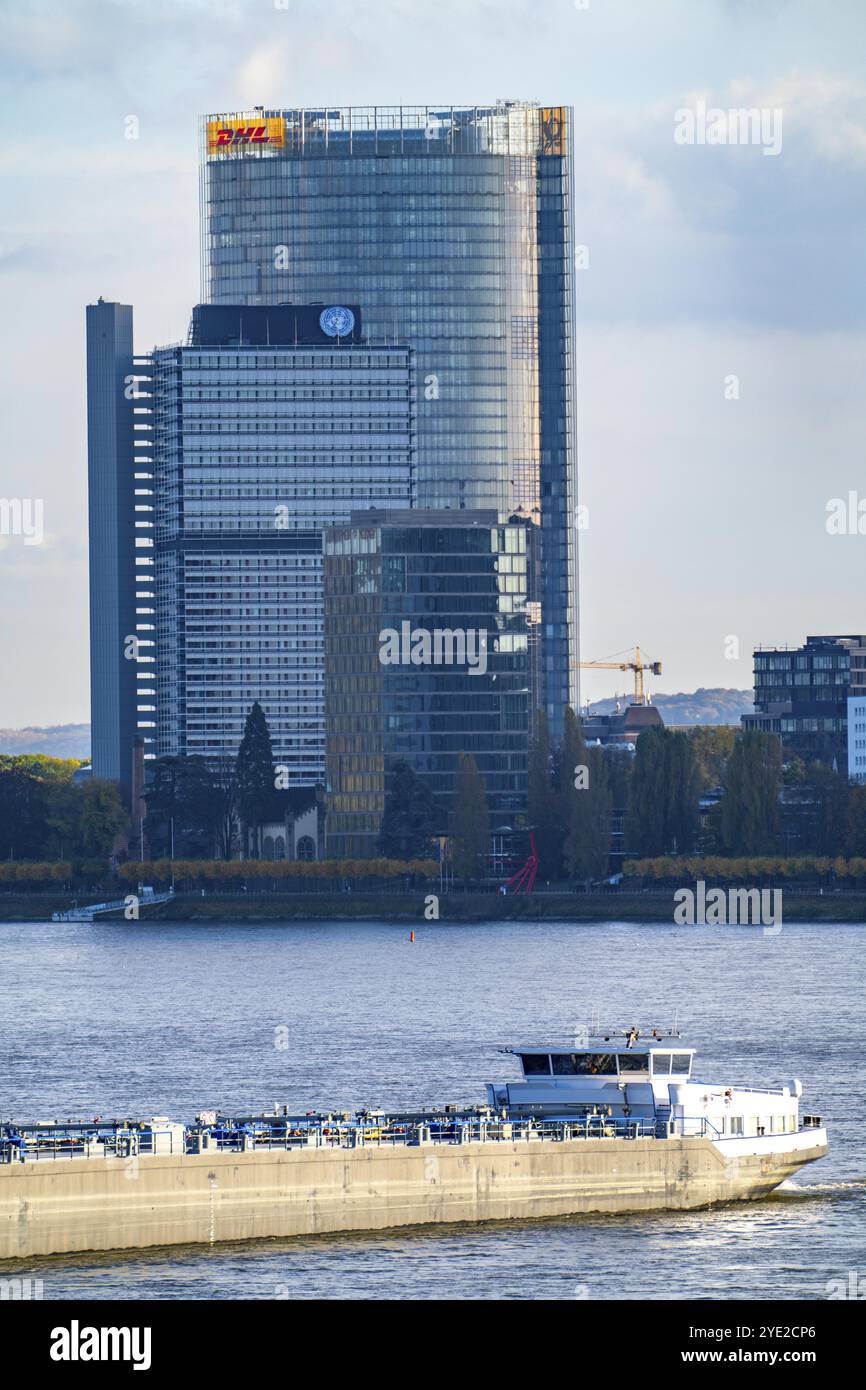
(613, 1123)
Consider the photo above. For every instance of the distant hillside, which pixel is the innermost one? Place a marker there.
(700, 707)
(57, 741)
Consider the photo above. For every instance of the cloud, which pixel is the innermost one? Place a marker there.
(702, 262)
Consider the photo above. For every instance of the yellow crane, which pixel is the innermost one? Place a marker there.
(638, 665)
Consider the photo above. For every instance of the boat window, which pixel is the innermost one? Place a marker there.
(584, 1064)
(681, 1064)
(736, 1124)
(535, 1064)
(634, 1061)
(661, 1063)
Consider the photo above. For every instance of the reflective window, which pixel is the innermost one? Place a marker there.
(633, 1061)
(584, 1063)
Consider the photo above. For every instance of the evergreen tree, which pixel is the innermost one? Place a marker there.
(586, 804)
(412, 815)
(749, 817)
(663, 816)
(681, 813)
(255, 776)
(470, 821)
(645, 826)
(542, 806)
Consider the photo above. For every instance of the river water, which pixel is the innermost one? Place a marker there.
(138, 1019)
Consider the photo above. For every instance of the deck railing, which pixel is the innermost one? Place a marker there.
(360, 1132)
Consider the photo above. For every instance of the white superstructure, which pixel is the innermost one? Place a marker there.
(626, 1074)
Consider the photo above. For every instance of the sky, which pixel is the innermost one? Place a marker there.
(721, 300)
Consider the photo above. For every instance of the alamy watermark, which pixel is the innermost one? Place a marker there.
(20, 1287)
(438, 646)
(23, 516)
(846, 516)
(854, 1287)
(754, 125)
(716, 907)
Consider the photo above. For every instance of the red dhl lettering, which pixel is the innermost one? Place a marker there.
(243, 135)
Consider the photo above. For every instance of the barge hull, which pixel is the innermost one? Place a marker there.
(62, 1206)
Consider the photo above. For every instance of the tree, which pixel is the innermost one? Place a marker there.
(103, 818)
(225, 798)
(749, 817)
(681, 793)
(826, 795)
(646, 830)
(711, 745)
(255, 776)
(65, 806)
(585, 803)
(23, 812)
(542, 806)
(412, 815)
(470, 821)
(855, 821)
(663, 813)
(182, 808)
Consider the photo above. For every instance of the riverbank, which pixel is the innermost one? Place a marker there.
(412, 908)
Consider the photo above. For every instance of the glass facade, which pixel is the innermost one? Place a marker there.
(256, 449)
(120, 532)
(401, 597)
(454, 228)
(802, 694)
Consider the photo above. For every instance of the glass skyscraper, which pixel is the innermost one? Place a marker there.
(454, 228)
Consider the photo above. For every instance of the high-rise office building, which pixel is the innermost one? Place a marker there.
(430, 653)
(120, 521)
(269, 424)
(454, 228)
(214, 467)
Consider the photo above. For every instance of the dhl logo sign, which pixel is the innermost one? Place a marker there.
(268, 130)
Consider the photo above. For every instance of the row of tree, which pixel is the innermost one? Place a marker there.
(748, 869)
(45, 815)
(577, 796)
(570, 799)
(413, 818)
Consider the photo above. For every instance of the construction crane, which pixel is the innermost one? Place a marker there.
(638, 665)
